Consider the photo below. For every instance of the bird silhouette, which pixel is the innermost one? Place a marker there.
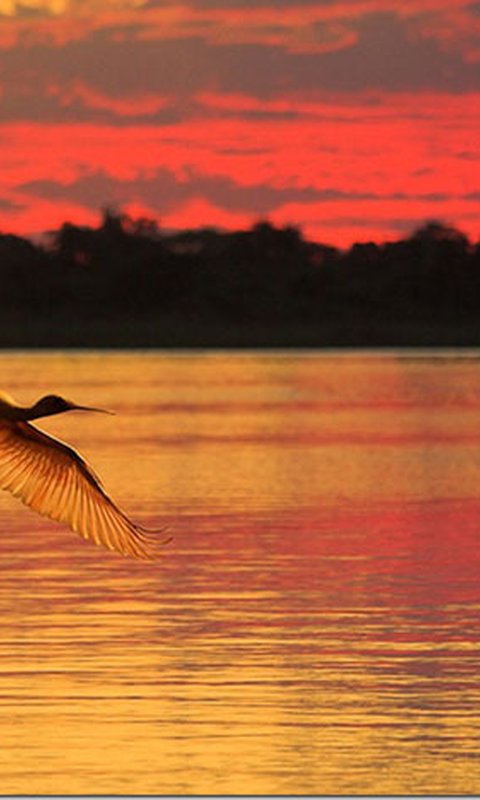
(53, 479)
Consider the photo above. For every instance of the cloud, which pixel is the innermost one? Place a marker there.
(97, 79)
(27, 8)
(138, 105)
(307, 26)
(240, 109)
(164, 192)
(374, 50)
(31, 8)
(337, 150)
(170, 197)
(9, 205)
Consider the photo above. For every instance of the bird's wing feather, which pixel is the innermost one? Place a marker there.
(53, 479)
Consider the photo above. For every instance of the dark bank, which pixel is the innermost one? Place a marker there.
(128, 284)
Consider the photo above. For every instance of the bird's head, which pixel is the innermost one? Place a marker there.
(54, 404)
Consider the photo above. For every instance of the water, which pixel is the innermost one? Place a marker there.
(314, 625)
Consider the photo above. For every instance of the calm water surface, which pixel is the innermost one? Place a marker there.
(314, 625)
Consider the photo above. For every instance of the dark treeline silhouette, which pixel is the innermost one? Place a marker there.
(127, 283)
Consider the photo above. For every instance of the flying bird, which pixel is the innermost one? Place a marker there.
(53, 479)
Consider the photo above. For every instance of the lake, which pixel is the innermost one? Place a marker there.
(313, 627)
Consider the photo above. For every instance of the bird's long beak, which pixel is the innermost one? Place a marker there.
(74, 407)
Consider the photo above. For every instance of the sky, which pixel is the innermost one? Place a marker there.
(355, 120)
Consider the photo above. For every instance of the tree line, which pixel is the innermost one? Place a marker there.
(126, 283)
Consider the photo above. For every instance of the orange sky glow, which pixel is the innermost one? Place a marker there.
(354, 120)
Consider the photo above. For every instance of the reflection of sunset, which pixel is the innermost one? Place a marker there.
(314, 622)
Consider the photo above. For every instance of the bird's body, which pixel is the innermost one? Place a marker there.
(53, 479)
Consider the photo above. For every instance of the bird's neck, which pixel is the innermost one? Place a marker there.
(14, 413)
(17, 413)
(39, 409)
(45, 407)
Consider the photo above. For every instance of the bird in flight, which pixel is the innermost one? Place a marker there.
(53, 479)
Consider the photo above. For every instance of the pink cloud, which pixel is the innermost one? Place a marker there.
(359, 220)
(454, 28)
(311, 27)
(126, 106)
(198, 212)
(375, 157)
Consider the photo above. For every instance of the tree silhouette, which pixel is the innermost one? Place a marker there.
(263, 285)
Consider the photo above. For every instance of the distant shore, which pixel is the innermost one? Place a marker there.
(175, 332)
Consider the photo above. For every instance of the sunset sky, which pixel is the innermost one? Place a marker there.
(354, 119)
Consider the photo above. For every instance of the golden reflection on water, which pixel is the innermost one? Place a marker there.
(312, 628)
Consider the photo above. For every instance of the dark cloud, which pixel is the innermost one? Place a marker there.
(396, 224)
(25, 12)
(247, 4)
(403, 225)
(384, 57)
(468, 155)
(9, 205)
(117, 69)
(165, 193)
(37, 106)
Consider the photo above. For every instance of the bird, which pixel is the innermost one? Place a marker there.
(53, 479)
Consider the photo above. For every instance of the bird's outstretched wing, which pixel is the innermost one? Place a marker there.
(53, 479)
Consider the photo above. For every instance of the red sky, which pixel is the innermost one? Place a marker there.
(355, 120)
